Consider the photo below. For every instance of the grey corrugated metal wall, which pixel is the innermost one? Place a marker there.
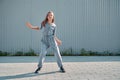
(89, 24)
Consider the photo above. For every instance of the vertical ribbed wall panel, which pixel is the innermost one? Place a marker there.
(89, 24)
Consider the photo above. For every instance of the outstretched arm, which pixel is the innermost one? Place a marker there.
(31, 26)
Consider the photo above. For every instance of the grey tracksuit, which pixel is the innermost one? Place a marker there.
(49, 32)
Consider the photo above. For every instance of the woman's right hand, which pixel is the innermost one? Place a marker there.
(29, 25)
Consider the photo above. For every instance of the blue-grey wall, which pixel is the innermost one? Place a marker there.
(90, 24)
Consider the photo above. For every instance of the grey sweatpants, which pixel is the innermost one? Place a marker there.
(44, 51)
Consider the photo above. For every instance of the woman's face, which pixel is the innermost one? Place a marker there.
(50, 16)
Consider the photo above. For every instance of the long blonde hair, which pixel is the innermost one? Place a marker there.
(46, 19)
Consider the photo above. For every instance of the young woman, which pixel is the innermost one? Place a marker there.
(49, 39)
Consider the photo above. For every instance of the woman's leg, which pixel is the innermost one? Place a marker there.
(58, 58)
(57, 55)
(42, 54)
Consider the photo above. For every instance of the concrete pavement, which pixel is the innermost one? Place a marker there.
(50, 71)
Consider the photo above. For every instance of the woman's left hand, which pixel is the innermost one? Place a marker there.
(59, 42)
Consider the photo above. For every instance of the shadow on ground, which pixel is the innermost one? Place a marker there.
(26, 75)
